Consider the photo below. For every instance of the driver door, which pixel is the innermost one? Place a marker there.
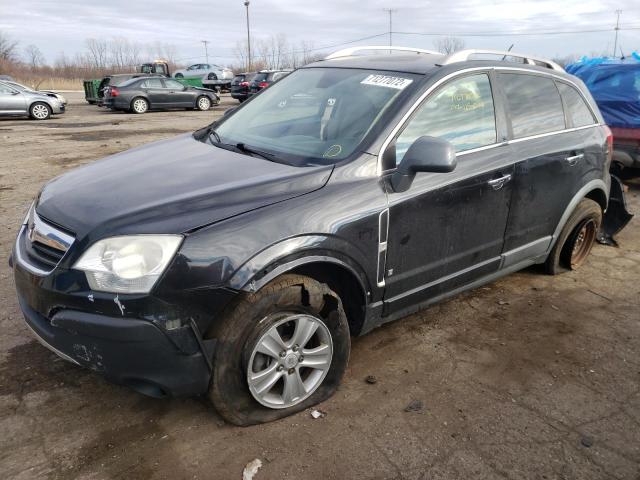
(177, 94)
(447, 229)
(11, 100)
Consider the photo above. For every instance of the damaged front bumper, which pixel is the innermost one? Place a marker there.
(137, 342)
(131, 352)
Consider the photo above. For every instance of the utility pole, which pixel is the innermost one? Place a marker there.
(391, 11)
(615, 42)
(246, 4)
(206, 51)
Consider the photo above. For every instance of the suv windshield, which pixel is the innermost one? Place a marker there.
(314, 115)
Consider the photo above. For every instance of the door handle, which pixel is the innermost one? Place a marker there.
(574, 159)
(498, 183)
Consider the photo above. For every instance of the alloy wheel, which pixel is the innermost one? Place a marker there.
(204, 103)
(140, 105)
(289, 361)
(40, 111)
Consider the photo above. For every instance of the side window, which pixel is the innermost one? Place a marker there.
(578, 111)
(534, 104)
(461, 112)
(173, 84)
(5, 90)
(152, 83)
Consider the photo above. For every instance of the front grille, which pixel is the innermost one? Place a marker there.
(43, 255)
(40, 245)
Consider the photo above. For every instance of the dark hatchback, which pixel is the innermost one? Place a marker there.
(140, 95)
(240, 86)
(265, 78)
(353, 192)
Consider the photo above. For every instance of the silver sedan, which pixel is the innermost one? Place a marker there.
(15, 102)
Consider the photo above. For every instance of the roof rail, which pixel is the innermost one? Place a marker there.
(463, 55)
(351, 50)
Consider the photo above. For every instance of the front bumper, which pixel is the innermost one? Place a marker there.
(151, 343)
(127, 351)
(58, 109)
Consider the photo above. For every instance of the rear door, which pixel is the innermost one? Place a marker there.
(11, 100)
(155, 91)
(447, 229)
(552, 157)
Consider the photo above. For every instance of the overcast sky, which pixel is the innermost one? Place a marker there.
(63, 25)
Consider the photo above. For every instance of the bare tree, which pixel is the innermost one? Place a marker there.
(448, 45)
(97, 52)
(33, 56)
(8, 48)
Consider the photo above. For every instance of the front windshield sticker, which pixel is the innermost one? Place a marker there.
(398, 83)
(333, 151)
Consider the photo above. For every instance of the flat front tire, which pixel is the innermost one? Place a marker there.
(40, 111)
(279, 350)
(576, 238)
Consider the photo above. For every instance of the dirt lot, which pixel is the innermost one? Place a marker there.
(530, 377)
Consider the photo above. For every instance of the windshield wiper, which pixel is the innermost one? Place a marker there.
(267, 156)
(214, 134)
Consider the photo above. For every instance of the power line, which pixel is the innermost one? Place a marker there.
(509, 34)
(443, 34)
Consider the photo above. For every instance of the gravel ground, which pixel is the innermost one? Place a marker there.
(530, 377)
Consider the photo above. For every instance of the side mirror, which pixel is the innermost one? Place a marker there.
(426, 154)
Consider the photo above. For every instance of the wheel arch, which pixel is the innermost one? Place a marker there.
(341, 273)
(596, 190)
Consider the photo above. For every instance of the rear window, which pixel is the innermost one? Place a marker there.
(578, 111)
(534, 104)
(238, 78)
(260, 77)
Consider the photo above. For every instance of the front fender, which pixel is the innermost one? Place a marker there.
(288, 254)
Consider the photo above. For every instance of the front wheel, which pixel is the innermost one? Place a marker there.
(179, 75)
(280, 350)
(576, 238)
(40, 111)
(203, 103)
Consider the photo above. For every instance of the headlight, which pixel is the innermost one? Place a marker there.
(128, 264)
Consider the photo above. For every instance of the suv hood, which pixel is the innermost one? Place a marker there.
(171, 186)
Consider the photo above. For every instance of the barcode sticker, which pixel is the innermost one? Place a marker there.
(398, 83)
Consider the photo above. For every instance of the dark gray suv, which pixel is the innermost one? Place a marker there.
(354, 191)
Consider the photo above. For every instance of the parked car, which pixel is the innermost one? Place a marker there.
(615, 86)
(139, 95)
(19, 102)
(355, 191)
(265, 78)
(214, 77)
(49, 93)
(240, 85)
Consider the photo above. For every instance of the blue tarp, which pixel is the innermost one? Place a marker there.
(615, 86)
